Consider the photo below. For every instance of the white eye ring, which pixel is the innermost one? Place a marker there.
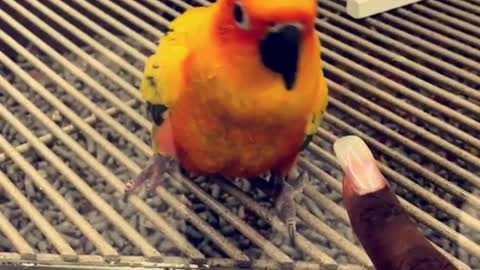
(240, 16)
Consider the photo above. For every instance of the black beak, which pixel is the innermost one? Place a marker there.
(280, 52)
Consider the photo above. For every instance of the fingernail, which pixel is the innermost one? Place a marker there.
(358, 162)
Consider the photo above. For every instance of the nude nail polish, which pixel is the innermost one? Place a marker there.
(357, 162)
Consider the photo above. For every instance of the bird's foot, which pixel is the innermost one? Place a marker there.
(151, 175)
(285, 203)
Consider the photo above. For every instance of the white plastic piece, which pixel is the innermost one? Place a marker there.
(364, 8)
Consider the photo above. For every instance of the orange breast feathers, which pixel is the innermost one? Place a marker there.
(205, 144)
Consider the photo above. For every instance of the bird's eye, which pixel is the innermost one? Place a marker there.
(241, 17)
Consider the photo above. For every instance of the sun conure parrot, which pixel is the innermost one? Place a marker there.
(237, 90)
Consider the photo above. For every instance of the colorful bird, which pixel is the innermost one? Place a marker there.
(236, 89)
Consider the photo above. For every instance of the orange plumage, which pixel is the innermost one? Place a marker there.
(229, 113)
(237, 89)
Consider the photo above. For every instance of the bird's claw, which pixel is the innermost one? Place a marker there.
(285, 202)
(151, 175)
(292, 229)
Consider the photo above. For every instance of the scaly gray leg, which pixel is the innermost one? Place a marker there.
(151, 175)
(285, 203)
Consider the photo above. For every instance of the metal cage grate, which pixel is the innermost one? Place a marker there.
(73, 130)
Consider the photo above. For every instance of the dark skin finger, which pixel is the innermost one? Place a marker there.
(387, 233)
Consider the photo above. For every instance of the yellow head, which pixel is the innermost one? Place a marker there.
(271, 34)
